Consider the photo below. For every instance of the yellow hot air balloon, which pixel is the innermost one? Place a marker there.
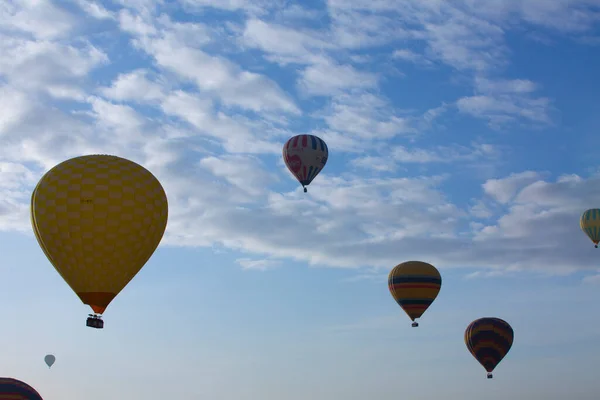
(98, 219)
(590, 224)
(414, 285)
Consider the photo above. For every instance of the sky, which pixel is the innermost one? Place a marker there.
(461, 133)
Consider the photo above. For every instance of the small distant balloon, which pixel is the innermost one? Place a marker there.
(414, 285)
(489, 340)
(305, 156)
(49, 360)
(590, 224)
(13, 389)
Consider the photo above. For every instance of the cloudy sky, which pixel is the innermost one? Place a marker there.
(461, 133)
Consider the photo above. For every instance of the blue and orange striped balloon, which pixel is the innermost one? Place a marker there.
(305, 156)
(414, 285)
(590, 224)
(13, 389)
(489, 340)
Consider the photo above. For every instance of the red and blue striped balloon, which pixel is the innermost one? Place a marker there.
(305, 156)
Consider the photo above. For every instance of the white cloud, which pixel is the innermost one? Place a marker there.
(544, 215)
(296, 12)
(592, 279)
(236, 137)
(94, 9)
(51, 67)
(325, 77)
(503, 101)
(461, 33)
(381, 164)
(410, 56)
(257, 265)
(218, 76)
(341, 141)
(391, 158)
(359, 24)
(245, 172)
(369, 275)
(33, 132)
(562, 15)
(136, 24)
(134, 86)
(40, 18)
(502, 86)
(485, 274)
(365, 116)
(480, 210)
(253, 7)
(142, 6)
(122, 118)
(14, 207)
(284, 45)
(443, 154)
(504, 190)
(466, 37)
(210, 124)
(15, 106)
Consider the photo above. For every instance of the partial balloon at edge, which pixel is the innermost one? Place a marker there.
(17, 390)
(590, 225)
(305, 156)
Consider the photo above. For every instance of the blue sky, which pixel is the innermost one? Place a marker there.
(460, 134)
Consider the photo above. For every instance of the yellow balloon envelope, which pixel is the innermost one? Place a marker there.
(590, 224)
(98, 219)
(414, 285)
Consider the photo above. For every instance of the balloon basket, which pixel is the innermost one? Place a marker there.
(490, 376)
(415, 324)
(95, 321)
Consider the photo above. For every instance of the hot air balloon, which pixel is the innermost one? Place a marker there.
(13, 389)
(305, 156)
(414, 285)
(98, 219)
(489, 340)
(590, 224)
(49, 360)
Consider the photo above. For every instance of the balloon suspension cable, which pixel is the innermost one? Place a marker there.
(490, 376)
(415, 324)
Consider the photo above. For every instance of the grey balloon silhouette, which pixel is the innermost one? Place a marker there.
(49, 359)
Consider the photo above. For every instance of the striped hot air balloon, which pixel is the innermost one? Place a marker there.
(305, 156)
(13, 389)
(414, 285)
(590, 224)
(489, 340)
